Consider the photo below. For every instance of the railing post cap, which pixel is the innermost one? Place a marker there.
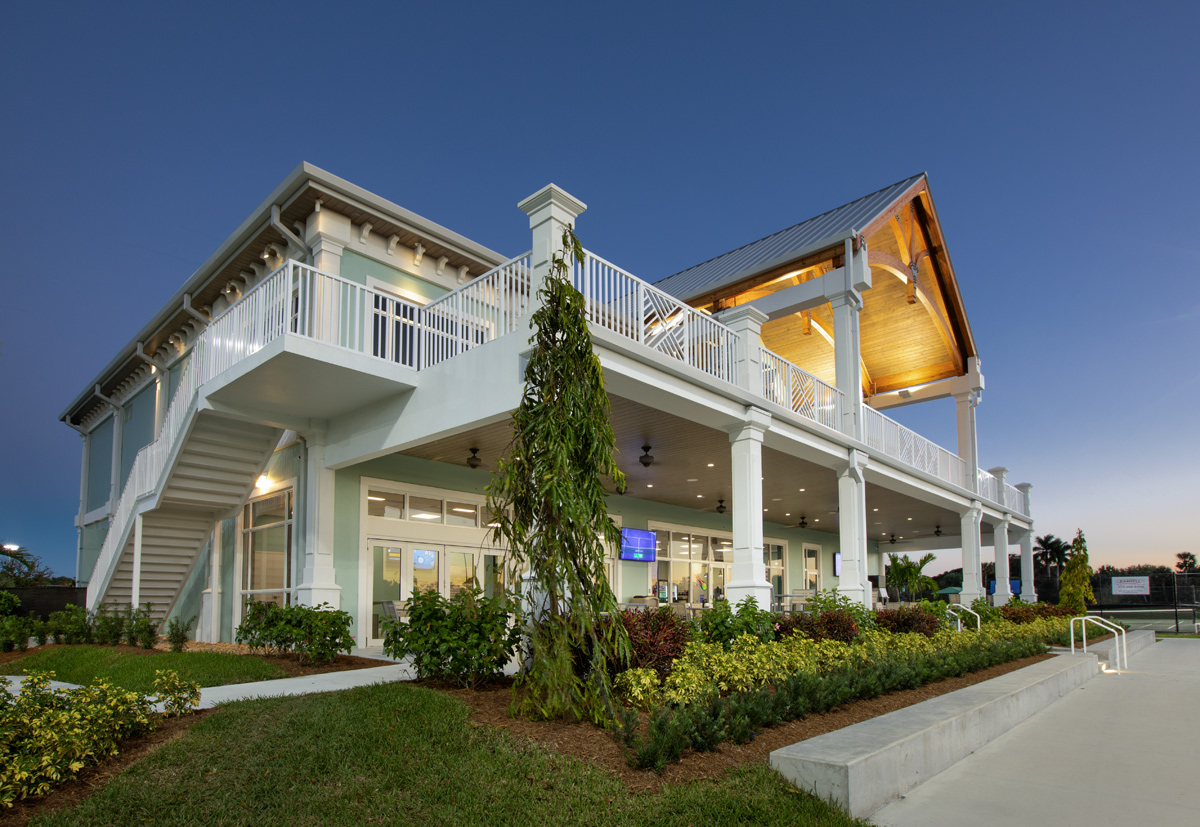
(745, 314)
(554, 197)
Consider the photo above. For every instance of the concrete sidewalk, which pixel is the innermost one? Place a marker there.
(1122, 749)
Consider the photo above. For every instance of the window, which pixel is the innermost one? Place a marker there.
(267, 548)
(393, 505)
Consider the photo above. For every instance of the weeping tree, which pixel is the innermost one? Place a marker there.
(548, 498)
(1077, 578)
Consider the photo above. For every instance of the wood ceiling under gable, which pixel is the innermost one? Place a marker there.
(908, 338)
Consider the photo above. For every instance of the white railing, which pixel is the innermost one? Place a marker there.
(955, 612)
(476, 313)
(888, 436)
(799, 391)
(989, 487)
(1015, 499)
(1120, 637)
(621, 302)
(294, 299)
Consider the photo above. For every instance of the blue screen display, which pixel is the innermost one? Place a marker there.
(423, 559)
(637, 545)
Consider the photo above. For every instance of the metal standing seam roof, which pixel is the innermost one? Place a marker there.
(786, 245)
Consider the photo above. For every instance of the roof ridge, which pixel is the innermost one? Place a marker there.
(791, 227)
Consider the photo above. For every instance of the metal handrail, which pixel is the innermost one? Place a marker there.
(954, 610)
(1121, 636)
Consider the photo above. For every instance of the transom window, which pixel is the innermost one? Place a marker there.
(417, 508)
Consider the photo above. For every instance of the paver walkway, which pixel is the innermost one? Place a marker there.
(1121, 750)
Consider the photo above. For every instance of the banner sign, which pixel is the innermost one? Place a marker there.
(1131, 585)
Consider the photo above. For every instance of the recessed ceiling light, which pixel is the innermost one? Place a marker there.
(649, 485)
(801, 489)
(874, 509)
(699, 496)
(817, 520)
(710, 465)
(910, 519)
(776, 499)
(693, 479)
(766, 509)
(788, 514)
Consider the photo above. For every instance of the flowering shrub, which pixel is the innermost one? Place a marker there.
(656, 638)
(175, 694)
(49, 735)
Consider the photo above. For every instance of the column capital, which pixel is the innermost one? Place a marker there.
(743, 317)
(753, 427)
(846, 298)
(551, 201)
(856, 464)
(1024, 487)
(974, 510)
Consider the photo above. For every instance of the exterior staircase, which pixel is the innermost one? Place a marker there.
(214, 468)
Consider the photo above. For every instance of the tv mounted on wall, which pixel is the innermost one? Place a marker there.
(637, 545)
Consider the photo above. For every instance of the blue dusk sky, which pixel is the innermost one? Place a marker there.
(1060, 141)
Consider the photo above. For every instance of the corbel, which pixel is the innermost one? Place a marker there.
(418, 253)
(365, 233)
(150, 360)
(191, 311)
(441, 268)
(96, 392)
(464, 273)
(392, 242)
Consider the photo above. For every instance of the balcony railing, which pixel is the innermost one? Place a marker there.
(892, 439)
(476, 313)
(989, 487)
(626, 305)
(799, 391)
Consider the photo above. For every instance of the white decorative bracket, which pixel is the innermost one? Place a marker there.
(392, 242)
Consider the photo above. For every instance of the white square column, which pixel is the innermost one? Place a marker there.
(846, 300)
(746, 321)
(852, 529)
(551, 210)
(1028, 593)
(318, 584)
(1000, 548)
(972, 587)
(749, 571)
(968, 446)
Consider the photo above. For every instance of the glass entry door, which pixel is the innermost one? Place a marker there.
(397, 569)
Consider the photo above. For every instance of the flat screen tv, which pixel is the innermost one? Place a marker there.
(637, 545)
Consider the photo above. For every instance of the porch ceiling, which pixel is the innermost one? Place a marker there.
(692, 469)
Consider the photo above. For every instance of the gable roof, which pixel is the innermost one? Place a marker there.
(795, 242)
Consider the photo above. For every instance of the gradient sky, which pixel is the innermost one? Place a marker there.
(1060, 141)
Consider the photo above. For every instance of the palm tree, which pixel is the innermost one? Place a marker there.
(905, 573)
(1187, 561)
(1050, 550)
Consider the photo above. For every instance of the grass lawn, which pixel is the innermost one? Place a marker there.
(398, 754)
(86, 664)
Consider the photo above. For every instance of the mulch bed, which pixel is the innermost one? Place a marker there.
(596, 746)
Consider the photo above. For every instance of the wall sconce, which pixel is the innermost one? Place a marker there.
(474, 461)
(645, 459)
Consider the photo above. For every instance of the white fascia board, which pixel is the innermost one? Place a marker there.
(258, 220)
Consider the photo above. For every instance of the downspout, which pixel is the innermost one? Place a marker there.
(288, 234)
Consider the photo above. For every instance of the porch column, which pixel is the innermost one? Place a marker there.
(747, 321)
(326, 233)
(550, 210)
(1000, 547)
(1028, 593)
(749, 572)
(972, 586)
(319, 584)
(852, 529)
(846, 301)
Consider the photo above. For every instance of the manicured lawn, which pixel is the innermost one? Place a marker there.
(398, 754)
(86, 664)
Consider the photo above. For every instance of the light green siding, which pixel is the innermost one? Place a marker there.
(358, 268)
(100, 451)
(137, 430)
(91, 539)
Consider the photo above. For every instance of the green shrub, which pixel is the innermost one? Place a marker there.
(177, 696)
(71, 625)
(41, 629)
(832, 599)
(986, 611)
(15, 632)
(466, 639)
(639, 687)
(143, 631)
(177, 632)
(832, 624)
(315, 633)
(9, 603)
(48, 735)
(108, 627)
(722, 625)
